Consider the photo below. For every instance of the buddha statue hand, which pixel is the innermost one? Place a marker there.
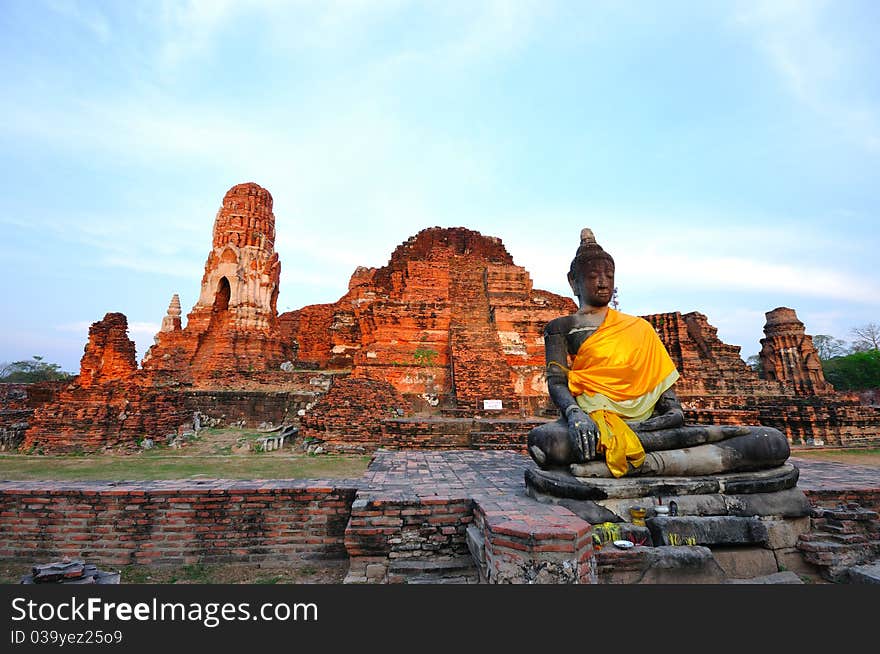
(669, 420)
(668, 414)
(583, 433)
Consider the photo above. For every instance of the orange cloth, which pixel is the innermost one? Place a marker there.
(622, 360)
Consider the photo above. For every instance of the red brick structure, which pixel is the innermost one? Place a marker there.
(450, 329)
(351, 414)
(110, 404)
(175, 522)
(109, 354)
(717, 387)
(234, 324)
(789, 356)
(450, 321)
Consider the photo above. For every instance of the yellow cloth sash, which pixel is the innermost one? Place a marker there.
(621, 370)
(620, 443)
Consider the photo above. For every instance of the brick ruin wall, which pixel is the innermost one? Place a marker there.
(248, 408)
(384, 538)
(350, 415)
(450, 322)
(174, 522)
(109, 415)
(184, 522)
(17, 404)
(717, 387)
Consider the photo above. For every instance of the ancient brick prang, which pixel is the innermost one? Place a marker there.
(350, 415)
(109, 355)
(110, 404)
(234, 324)
(789, 356)
(450, 321)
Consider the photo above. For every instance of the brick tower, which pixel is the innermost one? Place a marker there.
(234, 324)
(789, 356)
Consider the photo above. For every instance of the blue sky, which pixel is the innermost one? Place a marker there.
(726, 153)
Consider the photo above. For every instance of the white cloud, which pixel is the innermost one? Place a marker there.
(821, 68)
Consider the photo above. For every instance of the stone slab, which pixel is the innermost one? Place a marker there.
(746, 562)
(868, 573)
(784, 534)
(706, 530)
(681, 565)
(775, 578)
(787, 504)
(563, 484)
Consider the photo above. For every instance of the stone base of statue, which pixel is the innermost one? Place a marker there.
(686, 529)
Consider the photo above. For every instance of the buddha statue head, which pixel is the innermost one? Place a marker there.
(591, 275)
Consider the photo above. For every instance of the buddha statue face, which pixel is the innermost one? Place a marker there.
(592, 281)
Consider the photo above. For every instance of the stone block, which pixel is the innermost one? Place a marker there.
(783, 534)
(865, 574)
(681, 565)
(791, 558)
(790, 503)
(745, 562)
(706, 530)
(375, 571)
(775, 578)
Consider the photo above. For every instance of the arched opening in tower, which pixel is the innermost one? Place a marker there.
(221, 299)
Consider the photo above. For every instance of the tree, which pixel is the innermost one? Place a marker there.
(829, 347)
(858, 371)
(27, 372)
(867, 337)
(754, 362)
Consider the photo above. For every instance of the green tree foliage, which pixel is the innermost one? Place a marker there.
(754, 362)
(35, 370)
(854, 372)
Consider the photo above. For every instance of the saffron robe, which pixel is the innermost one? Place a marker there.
(619, 373)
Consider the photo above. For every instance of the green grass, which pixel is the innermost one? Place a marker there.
(169, 465)
(860, 451)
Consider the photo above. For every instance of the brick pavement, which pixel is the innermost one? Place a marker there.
(425, 473)
(829, 475)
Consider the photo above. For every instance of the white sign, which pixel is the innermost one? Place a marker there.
(492, 404)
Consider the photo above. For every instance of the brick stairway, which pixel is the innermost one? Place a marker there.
(479, 369)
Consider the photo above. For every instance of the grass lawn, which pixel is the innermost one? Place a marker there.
(142, 468)
(217, 453)
(867, 456)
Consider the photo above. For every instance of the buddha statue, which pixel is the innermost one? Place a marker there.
(614, 384)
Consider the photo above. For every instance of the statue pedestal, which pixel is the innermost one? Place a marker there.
(725, 527)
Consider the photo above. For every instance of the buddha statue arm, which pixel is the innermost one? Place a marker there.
(582, 430)
(668, 414)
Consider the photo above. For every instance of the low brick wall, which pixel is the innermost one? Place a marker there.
(386, 531)
(175, 522)
(249, 408)
(458, 433)
(867, 498)
(13, 425)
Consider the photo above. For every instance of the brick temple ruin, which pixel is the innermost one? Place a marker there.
(440, 348)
